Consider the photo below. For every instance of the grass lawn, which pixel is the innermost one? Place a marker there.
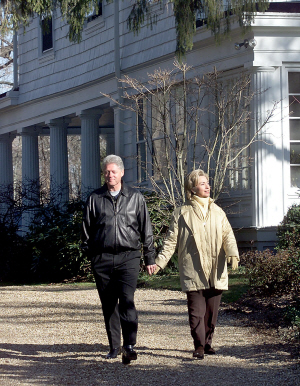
(238, 283)
(168, 281)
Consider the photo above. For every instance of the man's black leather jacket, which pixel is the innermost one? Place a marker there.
(115, 226)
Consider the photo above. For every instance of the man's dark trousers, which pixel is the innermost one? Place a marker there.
(116, 279)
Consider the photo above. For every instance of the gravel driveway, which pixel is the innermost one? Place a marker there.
(54, 335)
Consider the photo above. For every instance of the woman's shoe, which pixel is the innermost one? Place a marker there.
(199, 353)
(209, 350)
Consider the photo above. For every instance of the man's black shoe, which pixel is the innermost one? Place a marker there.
(128, 354)
(114, 352)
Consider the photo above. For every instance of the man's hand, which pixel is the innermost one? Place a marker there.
(152, 269)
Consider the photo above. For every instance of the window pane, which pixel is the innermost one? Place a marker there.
(160, 162)
(141, 126)
(295, 176)
(295, 153)
(294, 105)
(47, 39)
(295, 129)
(93, 14)
(160, 116)
(294, 81)
(141, 150)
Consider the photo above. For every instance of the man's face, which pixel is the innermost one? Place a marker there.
(113, 175)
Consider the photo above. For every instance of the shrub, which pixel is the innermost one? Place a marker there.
(288, 231)
(273, 274)
(160, 212)
(51, 252)
(292, 317)
(278, 273)
(15, 258)
(55, 242)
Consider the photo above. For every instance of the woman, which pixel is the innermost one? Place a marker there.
(205, 241)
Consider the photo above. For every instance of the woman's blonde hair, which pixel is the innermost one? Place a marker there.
(192, 180)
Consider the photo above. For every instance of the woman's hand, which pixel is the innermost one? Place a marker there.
(234, 262)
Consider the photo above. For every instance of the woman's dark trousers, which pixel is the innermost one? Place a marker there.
(203, 309)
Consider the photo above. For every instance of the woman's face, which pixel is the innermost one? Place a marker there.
(203, 188)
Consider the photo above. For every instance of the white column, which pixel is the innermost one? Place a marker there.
(90, 151)
(59, 184)
(262, 103)
(30, 175)
(30, 155)
(6, 165)
(15, 62)
(6, 171)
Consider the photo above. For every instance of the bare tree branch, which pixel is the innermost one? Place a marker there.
(193, 121)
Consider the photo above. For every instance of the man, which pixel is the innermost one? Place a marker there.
(116, 224)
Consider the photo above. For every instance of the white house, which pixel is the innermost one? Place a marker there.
(59, 86)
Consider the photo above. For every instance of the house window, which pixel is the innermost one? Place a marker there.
(237, 132)
(141, 143)
(168, 134)
(294, 124)
(96, 12)
(239, 171)
(201, 18)
(160, 126)
(47, 34)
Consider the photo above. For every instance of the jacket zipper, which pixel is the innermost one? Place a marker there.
(115, 214)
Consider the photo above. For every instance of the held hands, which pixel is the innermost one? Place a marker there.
(152, 269)
(234, 262)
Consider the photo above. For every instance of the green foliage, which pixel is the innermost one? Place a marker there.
(16, 12)
(292, 314)
(54, 239)
(292, 317)
(160, 213)
(74, 12)
(238, 285)
(168, 281)
(14, 257)
(50, 251)
(288, 231)
(140, 10)
(273, 274)
(185, 24)
(217, 18)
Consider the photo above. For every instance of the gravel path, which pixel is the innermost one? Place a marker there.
(54, 335)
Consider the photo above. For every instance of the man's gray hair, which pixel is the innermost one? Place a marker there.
(113, 159)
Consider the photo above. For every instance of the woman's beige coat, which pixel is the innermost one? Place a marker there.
(203, 246)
